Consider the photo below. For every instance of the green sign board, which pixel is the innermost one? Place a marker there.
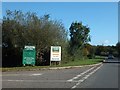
(29, 55)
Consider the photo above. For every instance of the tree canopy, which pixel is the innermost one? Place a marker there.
(79, 36)
(20, 29)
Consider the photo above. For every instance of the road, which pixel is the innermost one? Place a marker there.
(101, 76)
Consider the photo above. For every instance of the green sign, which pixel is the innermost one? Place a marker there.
(29, 55)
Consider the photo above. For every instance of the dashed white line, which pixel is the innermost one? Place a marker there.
(36, 74)
(81, 74)
(74, 86)
(15, 80)
(85, 77)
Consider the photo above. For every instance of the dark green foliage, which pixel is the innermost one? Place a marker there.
(106, 50)
(118, 49)
(20, 29)
(79, 35)
(91, 51)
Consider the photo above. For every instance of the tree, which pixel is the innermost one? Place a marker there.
(20, 29)
(85, 52)
(1, 42)
(101, 50)
(91, 51)
(118, 49)
(79, 36)
(0, 32)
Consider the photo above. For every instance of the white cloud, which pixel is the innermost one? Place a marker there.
(106, 42)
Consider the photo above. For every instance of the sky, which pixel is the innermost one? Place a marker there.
(101, 17)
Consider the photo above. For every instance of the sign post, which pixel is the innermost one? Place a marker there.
(29, 55)
(55, 54)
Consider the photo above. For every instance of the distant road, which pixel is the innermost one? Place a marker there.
(102, 76)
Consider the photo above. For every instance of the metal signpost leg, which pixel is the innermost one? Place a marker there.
(50, 63)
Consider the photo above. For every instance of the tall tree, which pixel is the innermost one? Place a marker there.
(79, 35)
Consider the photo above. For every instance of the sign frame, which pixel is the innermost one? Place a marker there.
(55, 54)
(29, 55)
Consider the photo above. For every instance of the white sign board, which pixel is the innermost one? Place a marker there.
(29, 47)
(55, 53)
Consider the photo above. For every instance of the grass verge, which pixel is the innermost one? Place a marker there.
(83, 62)
(72, 63)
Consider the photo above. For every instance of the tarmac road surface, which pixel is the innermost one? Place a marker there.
(100, 76)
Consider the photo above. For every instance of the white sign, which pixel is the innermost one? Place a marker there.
(29, 47)
(55, 53)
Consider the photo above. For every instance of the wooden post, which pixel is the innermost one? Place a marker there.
(50, 63)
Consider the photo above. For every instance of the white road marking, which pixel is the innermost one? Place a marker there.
(81, 80)
(36, 74)
(74, 86)
(36, 81)
(85, 77)
(15, 80)
(81, 74)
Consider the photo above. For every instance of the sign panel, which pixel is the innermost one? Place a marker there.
(29, 47)
(55, 53)
(29, 55)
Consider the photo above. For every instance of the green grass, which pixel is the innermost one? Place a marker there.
(72, 63)
(83, 62)
(100, 57)
(26, 68)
